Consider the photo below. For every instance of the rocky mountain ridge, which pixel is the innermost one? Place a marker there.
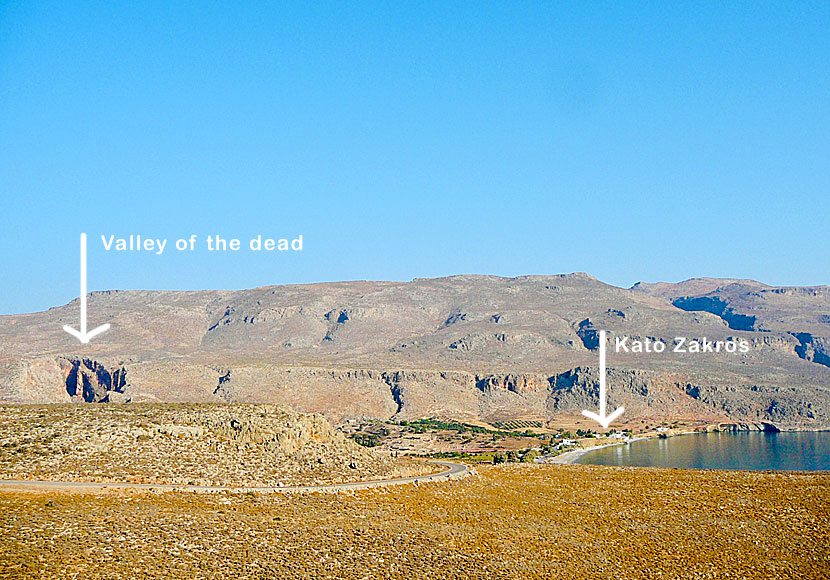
(475, 347)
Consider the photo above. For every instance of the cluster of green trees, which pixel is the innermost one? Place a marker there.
(424, 425)
(514, 456)
(367, 439)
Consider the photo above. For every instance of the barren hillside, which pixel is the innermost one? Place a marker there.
(246, 445)
(477, 347)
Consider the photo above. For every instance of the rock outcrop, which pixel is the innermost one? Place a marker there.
(260, 445)
(91, 382)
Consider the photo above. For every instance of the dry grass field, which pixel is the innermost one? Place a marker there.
(512, 521)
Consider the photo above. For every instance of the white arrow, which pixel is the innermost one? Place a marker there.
(83, 335)
(602, 418)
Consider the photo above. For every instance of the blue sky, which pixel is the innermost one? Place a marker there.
(634, 141)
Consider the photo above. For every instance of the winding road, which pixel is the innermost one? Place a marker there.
(452, 471)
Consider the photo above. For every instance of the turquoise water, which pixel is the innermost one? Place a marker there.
(754, 451)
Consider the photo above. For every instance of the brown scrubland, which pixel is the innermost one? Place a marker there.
(511, 521)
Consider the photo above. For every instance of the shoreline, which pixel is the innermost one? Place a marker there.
(570, 457)
(573, 456)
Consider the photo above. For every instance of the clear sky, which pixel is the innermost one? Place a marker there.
(634, 141)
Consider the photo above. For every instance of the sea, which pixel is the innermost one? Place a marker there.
(742, 450)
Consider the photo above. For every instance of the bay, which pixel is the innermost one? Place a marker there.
(752, 450)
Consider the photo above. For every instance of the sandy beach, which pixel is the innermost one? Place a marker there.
(571, 456)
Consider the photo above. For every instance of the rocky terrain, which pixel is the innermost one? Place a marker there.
(516, 521)
(479, 348)
(239, 445)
